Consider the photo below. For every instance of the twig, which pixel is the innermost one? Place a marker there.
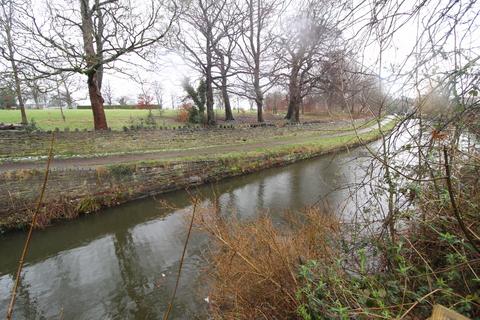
(418, 301)
(30, 231)
(166, 315)
(454, 204)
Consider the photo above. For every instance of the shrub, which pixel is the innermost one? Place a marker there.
(31, 126)
(255, 264)
(196, 112)
(183, 114)
(149, 122)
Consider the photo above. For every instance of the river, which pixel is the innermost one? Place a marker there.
(121, 263)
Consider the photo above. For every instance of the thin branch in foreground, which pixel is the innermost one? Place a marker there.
(167, 313)
(30, 231)
(454, 204)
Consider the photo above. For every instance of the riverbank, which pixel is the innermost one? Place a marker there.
(90, 184)
(415, 257)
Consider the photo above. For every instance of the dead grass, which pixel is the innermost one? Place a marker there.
(254, 265)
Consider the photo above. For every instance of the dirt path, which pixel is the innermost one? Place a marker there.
(85, 162)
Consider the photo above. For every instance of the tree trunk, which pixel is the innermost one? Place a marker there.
(37, 101)
(225, 97)
(226, 100)
(297, 110)
(59, 95)
(96, 101)
(255, 44)
(68, 95)
(294, 92)
(293, 113)
(259, 110)
(61, 112)
(18, 89)
(209, 84)
(289, 114)
(35, 95)
(209, 96)
(274, 107)
(258, 94)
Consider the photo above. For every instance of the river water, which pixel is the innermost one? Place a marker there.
(121, 263)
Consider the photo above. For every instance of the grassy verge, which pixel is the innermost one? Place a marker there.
(83, 119)
(309, 148)
(146, 141)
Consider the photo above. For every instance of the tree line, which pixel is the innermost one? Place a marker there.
(246, 48)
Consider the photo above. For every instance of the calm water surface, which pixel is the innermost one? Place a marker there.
(121, 263)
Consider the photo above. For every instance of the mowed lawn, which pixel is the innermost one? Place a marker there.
(83, 119)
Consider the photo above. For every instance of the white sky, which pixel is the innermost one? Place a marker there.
(169, 69)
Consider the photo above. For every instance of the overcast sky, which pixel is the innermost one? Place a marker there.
(169, 69)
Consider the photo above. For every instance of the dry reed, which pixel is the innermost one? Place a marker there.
(255, 264)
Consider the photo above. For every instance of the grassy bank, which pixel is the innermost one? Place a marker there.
(75, 191)
(92, 144)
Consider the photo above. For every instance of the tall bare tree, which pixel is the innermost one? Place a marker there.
(255, 47)
(89, 37)
(200, 32)
(231, 20)
(311, 35)
(158, 93)
(8, 22)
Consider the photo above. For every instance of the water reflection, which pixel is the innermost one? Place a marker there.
(121, 264)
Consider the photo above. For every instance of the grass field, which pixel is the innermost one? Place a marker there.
(83, 119)
(118, 118)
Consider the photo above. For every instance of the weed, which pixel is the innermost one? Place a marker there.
(88, 205)
(122, 170)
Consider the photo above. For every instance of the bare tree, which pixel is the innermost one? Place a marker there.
(145, 97)
(200, 32)
(66, 84)
(255, 47)
(36, 91)
(7, 24)
(311, 35)
(108, 93)
(231, 19)
(158, 93)
(90, 37)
